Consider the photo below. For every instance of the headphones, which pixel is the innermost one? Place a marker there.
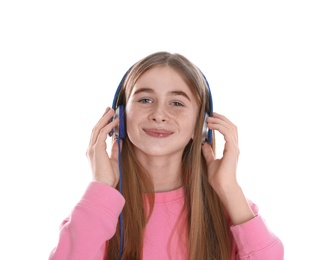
(120, 130)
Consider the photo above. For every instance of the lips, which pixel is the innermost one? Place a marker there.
(158, 132)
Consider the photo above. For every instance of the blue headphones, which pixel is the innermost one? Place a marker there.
(120, 130)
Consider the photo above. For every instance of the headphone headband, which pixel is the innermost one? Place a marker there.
(116, 96)
(210, 101)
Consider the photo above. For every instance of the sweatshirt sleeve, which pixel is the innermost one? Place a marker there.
(255, 241)
(92, 222)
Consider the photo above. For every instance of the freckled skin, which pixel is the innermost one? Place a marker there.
(162, 104)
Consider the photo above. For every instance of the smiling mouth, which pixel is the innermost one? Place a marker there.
(158, 133)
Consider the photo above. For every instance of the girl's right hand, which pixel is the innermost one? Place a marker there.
(104, 167)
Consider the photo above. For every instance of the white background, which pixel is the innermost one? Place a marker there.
(270, 65)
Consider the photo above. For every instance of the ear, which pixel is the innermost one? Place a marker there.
(192, 136)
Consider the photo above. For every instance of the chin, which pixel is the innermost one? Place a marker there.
(159, 150)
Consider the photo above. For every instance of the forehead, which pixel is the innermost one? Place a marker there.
(162, 78)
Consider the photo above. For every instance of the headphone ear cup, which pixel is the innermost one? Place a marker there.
(210, 136)
(122, 122)
(120, 129)
(206, 132)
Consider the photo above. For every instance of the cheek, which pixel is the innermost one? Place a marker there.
(132, 118)
(129, 116)
(195, 122)
(189, 124)
(129, 109)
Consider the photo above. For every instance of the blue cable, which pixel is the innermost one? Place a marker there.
(120, 189)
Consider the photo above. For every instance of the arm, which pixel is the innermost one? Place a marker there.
(92, 222)
(222, 172)
(94, 219)
(253, 239)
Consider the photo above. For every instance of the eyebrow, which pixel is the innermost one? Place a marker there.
(171, 93)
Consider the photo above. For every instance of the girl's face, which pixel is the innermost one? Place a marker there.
(161, 113)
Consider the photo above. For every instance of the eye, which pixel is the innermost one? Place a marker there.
(145, 100)
(177, 104)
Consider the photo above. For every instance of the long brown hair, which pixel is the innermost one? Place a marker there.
(208, 230)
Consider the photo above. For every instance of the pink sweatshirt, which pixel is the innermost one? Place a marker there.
(93, 221)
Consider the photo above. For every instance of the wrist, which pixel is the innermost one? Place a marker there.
(109, 182)
(235, 203)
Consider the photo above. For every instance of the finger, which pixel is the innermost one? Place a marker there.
(229, 132)
(222, 117)
(208, 153)
(115, 150)
(224, 126)
(106, 110)
(103, 133)
(108, 114)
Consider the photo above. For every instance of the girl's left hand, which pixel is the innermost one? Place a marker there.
(222, 172)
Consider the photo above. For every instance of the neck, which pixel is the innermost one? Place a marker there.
(165, 171)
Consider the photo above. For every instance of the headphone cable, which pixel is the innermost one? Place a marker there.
(120, 189)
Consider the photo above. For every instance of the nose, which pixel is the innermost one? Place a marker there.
(159, 113)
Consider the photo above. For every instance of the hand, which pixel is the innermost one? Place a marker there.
(104, 167)
(222, 172)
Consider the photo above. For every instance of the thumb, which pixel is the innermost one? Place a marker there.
(208, 153)
(115, 150)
